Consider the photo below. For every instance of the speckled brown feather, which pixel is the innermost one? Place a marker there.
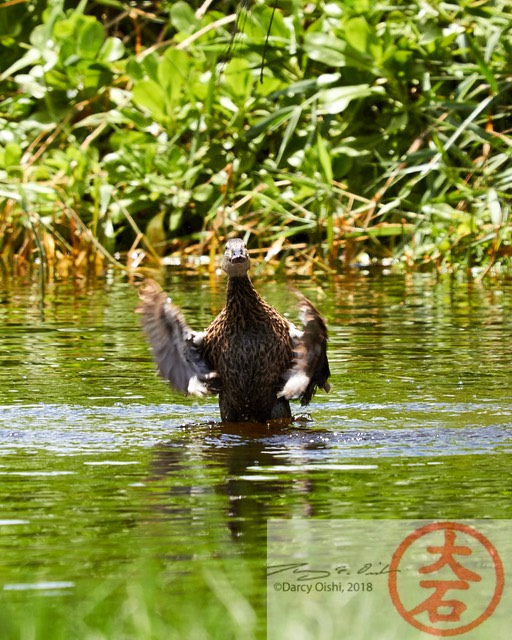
(249, 344)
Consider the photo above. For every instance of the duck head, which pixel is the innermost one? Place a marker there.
(236, 261)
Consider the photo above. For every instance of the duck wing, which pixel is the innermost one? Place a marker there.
(176, 348)
(310, 367)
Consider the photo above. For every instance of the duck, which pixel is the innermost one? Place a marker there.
(251, 356)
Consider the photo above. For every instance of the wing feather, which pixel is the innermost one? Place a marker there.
(176, 348)
(310, 367)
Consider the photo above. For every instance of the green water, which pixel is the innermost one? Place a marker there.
(127, 511)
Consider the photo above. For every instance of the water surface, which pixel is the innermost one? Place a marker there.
(128, 511)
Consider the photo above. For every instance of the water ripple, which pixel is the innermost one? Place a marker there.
(412, 429)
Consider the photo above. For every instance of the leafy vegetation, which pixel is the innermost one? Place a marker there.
(333, 133)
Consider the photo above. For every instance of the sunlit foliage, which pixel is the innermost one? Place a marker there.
(347, 132)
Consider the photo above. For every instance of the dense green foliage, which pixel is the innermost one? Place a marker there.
(375, 130)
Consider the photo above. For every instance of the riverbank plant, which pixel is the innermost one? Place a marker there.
(329, 134)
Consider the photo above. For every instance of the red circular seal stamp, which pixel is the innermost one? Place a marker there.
(441, 559)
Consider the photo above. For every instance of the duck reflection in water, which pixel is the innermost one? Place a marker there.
(248, 469)
(251, 356)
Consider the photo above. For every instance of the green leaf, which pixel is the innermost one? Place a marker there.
(270, 122)
(134, 69)
(112, 50)
(290, 129)
(173, 73)
(10, 195)
(31, 57)
(324, 158)
(105, 194)
(183, 18)
(337, 99)
(202, 192)
(12, 154)
(149, 95)
(485, 68)
(107, 234)
(239, 77)
(63, 29)
(155, 230)
(305, 86)
(324, 48)
(175, 219)
(90, 38)
(150, 64)
(494, 206)
(360, 35)
(87, 75)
